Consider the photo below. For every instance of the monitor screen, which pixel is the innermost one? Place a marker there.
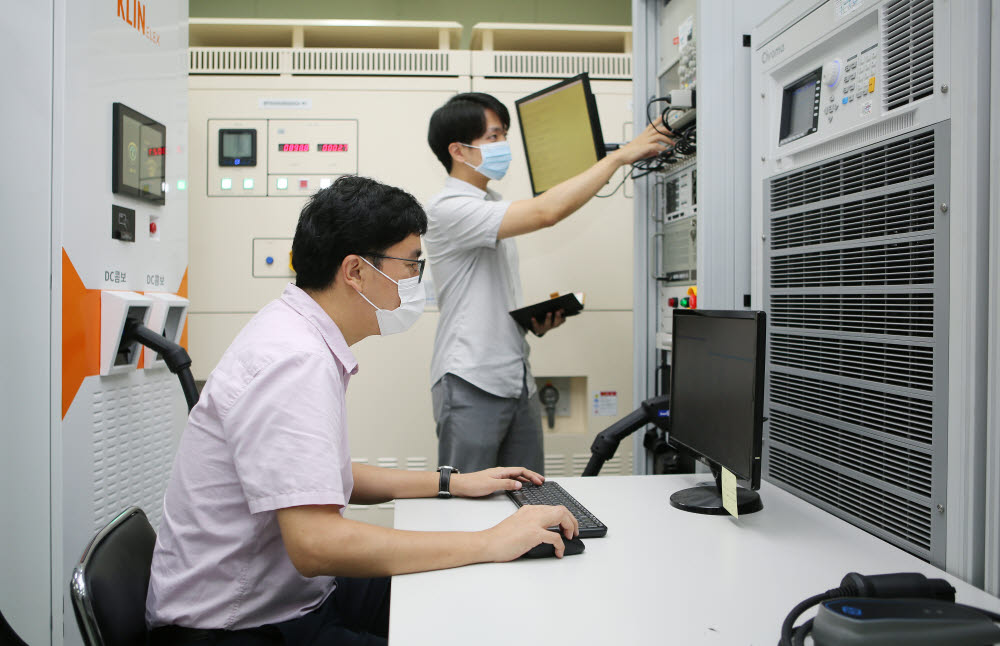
(800, 108)
(138, 163)
(561, 132)
(717, 389)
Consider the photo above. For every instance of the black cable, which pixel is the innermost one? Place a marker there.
(799, 634)
(787, 628)
(175, 356)
(649, 120)
(189, 387)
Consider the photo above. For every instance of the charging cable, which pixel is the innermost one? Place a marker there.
(175, 356)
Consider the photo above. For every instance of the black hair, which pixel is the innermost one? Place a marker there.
(355, 215)
(462, 119)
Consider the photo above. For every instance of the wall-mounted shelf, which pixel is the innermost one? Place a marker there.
(380, 34)
(525, 37)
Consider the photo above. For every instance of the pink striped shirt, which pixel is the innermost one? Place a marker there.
(269, 432)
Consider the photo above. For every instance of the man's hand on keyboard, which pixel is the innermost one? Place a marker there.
(483, 483)
(526, 528)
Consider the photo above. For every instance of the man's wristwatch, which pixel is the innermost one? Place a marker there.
(444, 481)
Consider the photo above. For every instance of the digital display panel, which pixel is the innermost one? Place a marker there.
(237, 144)
(293, 148)
(237, 147)
(139, 155)
(800, 108)
(331, 148)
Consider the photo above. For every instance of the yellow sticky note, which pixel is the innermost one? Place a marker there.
(871, 85)
(729, 493)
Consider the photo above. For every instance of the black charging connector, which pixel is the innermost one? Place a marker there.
(175, 356)
(903, 585)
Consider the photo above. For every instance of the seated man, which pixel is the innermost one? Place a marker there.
(253, 546)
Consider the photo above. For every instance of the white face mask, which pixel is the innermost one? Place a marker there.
(411, 305)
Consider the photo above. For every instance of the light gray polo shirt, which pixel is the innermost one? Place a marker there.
(477, 283)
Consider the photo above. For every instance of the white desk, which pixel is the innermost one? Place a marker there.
(660, 576)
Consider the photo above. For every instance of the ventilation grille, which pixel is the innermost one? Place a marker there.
(902, 521)
(854, 367)
(849, 141)
(238, 60)
(901, 466)
(898, 415)
(894, 214)
(371, 61)
(909, 366)
(899, 314)
(326, 61)
(903, 263)
(554, 65)
(908, 37)
(882, 165)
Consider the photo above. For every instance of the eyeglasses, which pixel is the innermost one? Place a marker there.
(414, 265)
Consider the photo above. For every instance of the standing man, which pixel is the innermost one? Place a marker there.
(253, 547)
(484, 397)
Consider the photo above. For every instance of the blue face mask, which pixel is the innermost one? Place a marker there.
(496, 159)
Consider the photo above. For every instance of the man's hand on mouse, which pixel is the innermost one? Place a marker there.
(487, 481)
(526, 528)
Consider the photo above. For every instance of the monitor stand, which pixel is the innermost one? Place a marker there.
(706, 498)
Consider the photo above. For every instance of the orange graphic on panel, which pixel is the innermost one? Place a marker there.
(81, 332)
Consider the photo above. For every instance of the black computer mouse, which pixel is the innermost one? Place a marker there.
(573, 546)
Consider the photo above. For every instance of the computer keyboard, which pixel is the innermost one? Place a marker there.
(550, 493)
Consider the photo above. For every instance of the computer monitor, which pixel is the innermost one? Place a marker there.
(561, 132)
(717, 401)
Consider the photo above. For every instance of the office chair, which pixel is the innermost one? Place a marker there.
(7, 635)
(109, 584)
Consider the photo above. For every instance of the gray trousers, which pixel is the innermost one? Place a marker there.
(477, 430)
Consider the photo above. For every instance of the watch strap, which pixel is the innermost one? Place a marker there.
(444, 481)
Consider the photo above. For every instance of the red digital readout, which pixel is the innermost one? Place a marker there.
(156, 152)
(332, 148)
(293, 148)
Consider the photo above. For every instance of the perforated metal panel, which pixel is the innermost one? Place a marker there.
(855, 264)
(133, 443)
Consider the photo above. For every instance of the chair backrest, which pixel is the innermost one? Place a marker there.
(7, 635)
(109, 584)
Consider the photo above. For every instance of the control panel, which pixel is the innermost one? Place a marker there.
(850, 85)
(670, 298)
(279, 157)
(815, 91)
